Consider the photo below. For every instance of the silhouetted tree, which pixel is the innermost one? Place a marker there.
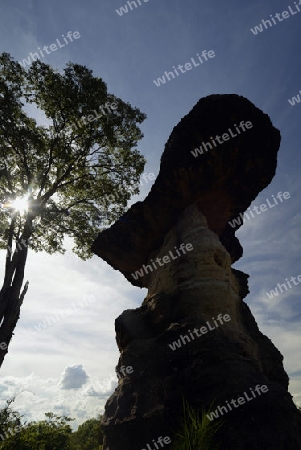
(55, 177)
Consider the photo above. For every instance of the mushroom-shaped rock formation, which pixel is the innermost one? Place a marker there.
(222, 182)
(194, 337)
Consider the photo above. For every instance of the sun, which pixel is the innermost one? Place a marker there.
(20, 204)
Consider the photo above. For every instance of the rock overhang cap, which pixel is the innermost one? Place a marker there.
(222, 181)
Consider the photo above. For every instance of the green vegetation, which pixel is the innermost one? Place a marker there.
(53, 433)
(89, 435)
(197, 432)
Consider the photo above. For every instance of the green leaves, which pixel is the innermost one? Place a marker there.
(89, 435)
(196, 432)
(66, 170)
(53, 433)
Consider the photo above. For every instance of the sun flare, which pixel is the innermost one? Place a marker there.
(20, 204)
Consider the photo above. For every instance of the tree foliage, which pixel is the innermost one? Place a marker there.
(64, 171)
(89, 435)
(53, 433)
(10, 424)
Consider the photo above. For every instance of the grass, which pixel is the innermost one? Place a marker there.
(197, 431)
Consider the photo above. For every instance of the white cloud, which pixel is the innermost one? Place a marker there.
(35, 395)
(74, 377)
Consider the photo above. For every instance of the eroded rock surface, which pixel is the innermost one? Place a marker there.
(189, 207)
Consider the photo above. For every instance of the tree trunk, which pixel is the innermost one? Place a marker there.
(12, 294)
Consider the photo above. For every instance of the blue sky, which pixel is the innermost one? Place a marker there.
(68, 367)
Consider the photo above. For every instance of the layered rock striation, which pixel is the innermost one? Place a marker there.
(194, 337)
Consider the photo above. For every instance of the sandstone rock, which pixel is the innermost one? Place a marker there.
(191, 203)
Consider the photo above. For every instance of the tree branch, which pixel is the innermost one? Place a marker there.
(50, 161)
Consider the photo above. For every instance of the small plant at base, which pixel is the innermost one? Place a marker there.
(197, 432)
